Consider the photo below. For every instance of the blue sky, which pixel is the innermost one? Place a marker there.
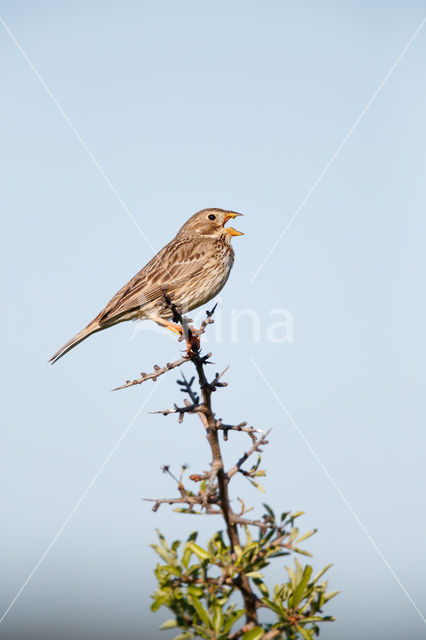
(188, 105)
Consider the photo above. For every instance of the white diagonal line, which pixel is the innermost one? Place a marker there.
(337, 488)
(79, 501)
(338, 150)
(80, 139)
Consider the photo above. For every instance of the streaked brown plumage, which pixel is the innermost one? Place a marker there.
(192, 269)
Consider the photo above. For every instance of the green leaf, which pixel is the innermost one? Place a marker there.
(321, 573)
(262, 587)
(249, 539)
(299, 570)
(302, 552)
(268, 536)
(278, 554)
(258, 486)
(300, 589)
(268, 509)
(217, 618)
(292, 577)
(160, 551)
(273, 606)
(305, 633)
(203, 632)
(238, 551)
(254, 574)
(163, 541)
(169, 624)
(194, 570)
(186, 556)
(306, 535)
(192, 536)
(254, 546)
(330, 595)
(293, 534)
(158, 602)
(312, 619)
(187, 510)
(254, 634)
(235, 615)
(202, 613)
(201, 553)
(170, 569)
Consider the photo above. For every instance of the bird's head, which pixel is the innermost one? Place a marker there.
(211, 223)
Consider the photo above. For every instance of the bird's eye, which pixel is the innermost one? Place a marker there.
(212, 216)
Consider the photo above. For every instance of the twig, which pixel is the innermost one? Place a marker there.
(241, 632)
(187, 388)
(158, 371)
(262, 524)
(208, 320)
(191, 501)
(259, 443)
(237, 427)
(188, 408)
(215, 383)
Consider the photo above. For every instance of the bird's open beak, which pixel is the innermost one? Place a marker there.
(231, 230)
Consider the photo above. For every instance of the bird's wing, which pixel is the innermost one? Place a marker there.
(172, 267)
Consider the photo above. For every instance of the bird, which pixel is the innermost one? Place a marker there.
(191, 270)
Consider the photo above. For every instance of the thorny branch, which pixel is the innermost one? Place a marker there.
(212, 497)
(256, 447)
(237, 427)
(236, 564)
(158, 371)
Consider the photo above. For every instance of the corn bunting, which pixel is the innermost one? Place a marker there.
(191, 270)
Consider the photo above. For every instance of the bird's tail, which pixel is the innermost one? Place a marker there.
(92, 327)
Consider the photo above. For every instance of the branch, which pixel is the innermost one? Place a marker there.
(208, 320)
(187, 388)
(237, 427)
(215, 383)
(247, 454)
(191, 501)
(262, 524)
(242, 631)
(158, 371)
(188, 408)
(227, 580)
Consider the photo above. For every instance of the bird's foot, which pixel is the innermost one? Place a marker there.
(172, 326)
(192, 341)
